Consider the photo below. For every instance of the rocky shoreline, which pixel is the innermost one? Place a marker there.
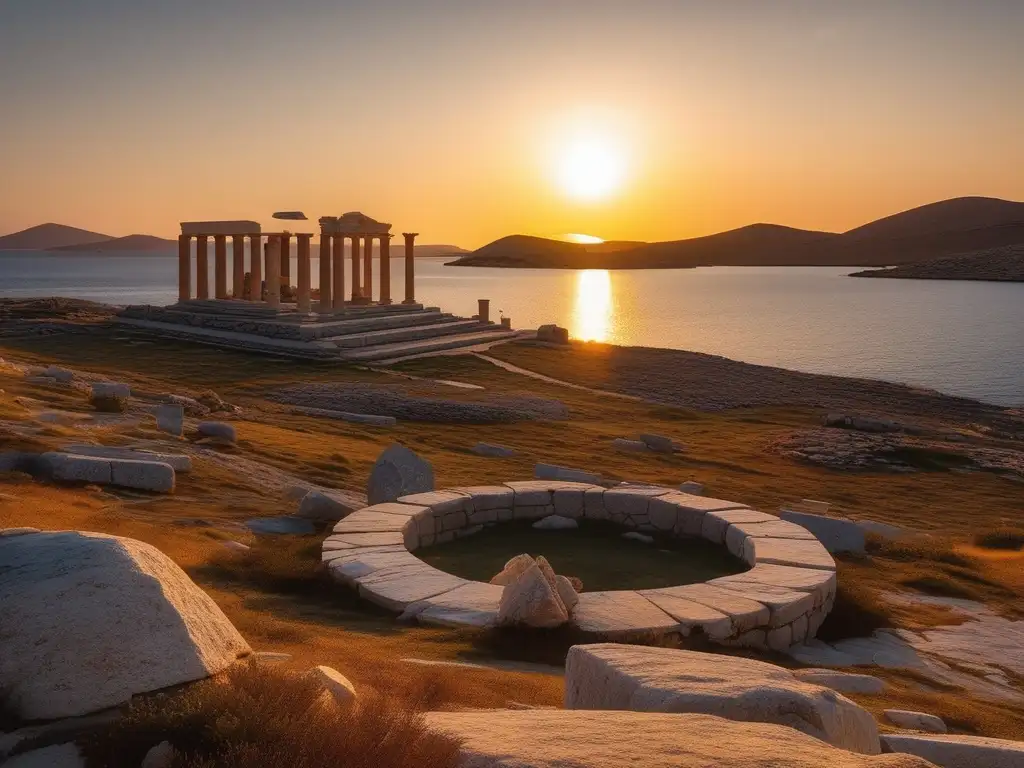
(996, 265)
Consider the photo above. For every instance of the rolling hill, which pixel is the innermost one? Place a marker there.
(928, 232)
(122, 244)
(50, 235)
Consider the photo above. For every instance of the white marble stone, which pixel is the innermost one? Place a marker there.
(844, 682)
(473, 604)
(915, 721)
(622, 614)
(339, 686)
(795, 552)
(837, 533)
(958, 751)
(610, 676)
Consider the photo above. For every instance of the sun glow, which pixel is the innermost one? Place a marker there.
(591, 168)
(592, 310)
(576, 237)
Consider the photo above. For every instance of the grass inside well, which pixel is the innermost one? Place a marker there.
(595, 553)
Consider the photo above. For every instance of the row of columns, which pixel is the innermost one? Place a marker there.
(277, 259)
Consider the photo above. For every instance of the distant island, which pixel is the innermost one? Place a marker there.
(928, 232)
(115, 244)
(62, 238)
(996, 264)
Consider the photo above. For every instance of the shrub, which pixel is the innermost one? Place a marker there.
(257, 716)
(1003, 538)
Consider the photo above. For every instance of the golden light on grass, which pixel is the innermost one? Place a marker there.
(592, 308)
(591, 168)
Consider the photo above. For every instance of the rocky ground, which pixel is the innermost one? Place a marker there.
(1004, 264)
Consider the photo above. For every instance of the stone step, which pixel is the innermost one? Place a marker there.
(410, 333)
(331, 329)
(382, 352)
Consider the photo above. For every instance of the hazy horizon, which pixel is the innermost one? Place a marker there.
(466, 122)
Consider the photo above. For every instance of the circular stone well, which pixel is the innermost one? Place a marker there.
(781, 601)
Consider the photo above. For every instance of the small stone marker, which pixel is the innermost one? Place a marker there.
(59, 374)
(553, 334)
(622, 444)
(316, 505)
(398, 472)
(555, 523)
(659, 443)
(160, 756)
(692, 487)
(170, 419)
(493, 451)
(343, 692)
(218, 431)
(837, 533)
(917, 721)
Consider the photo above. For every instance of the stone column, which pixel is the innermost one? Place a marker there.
(385, 269)
(325, 273)
(286, 258)
(255, 268)
(184, 267)
(237, 266)
(484, 310)
(338, 302)
(357, 293)
(220, 267)
(368, 269)
(410, 267)
(274, 271)
(202, 267)
(303, 277)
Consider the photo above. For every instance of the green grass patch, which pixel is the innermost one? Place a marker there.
(595, 553)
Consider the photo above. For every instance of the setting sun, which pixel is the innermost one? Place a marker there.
(591, 168)
(576, 237)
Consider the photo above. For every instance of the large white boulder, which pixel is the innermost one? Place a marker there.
(531, 600)
(555, 738)
(958, 751)
(89, 620)
(915, 721)
(398, 472)
(639, 678)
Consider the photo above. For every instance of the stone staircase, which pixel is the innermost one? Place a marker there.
(377, 334)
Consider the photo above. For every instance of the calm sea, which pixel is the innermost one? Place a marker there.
(959, 337)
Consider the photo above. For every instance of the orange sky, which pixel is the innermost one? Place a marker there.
(451, 118)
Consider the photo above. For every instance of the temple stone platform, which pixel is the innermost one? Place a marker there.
(370, 333)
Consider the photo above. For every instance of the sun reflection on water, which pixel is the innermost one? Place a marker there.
(592, 307)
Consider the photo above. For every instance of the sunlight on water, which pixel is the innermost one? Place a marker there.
(592, 308)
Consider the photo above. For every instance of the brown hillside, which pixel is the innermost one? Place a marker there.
(50, 235)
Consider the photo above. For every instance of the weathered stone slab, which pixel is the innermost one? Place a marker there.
(659, 443)
(691, 615)
(441, 502)
(802, 554)
(622, 614)
(622, 444)
(746, 614)
(554, 472)
(716, 522)
(280, 525)
(220, 227)
(786, 605)
(683, 513)
(395, 589)
(844, 682)
(692, 487)
(618, 677)
(737, 534)
(153, 476)
(370, 521)
(486, 497)
(629, 505)
(819, 582)
(555, 738)
(180, 462)
(382, 539)
(836, 533)
(80, 469)
(327, 506)
(398, 472)
(473, 604)
(369, 560)
(958, 751)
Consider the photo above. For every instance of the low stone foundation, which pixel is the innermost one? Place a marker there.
(781, 601)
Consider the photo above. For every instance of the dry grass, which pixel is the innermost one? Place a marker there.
(255, 716)
(278, 597)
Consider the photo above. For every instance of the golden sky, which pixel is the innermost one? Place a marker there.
(459, 119)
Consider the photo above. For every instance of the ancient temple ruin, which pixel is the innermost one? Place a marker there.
(257, 303)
